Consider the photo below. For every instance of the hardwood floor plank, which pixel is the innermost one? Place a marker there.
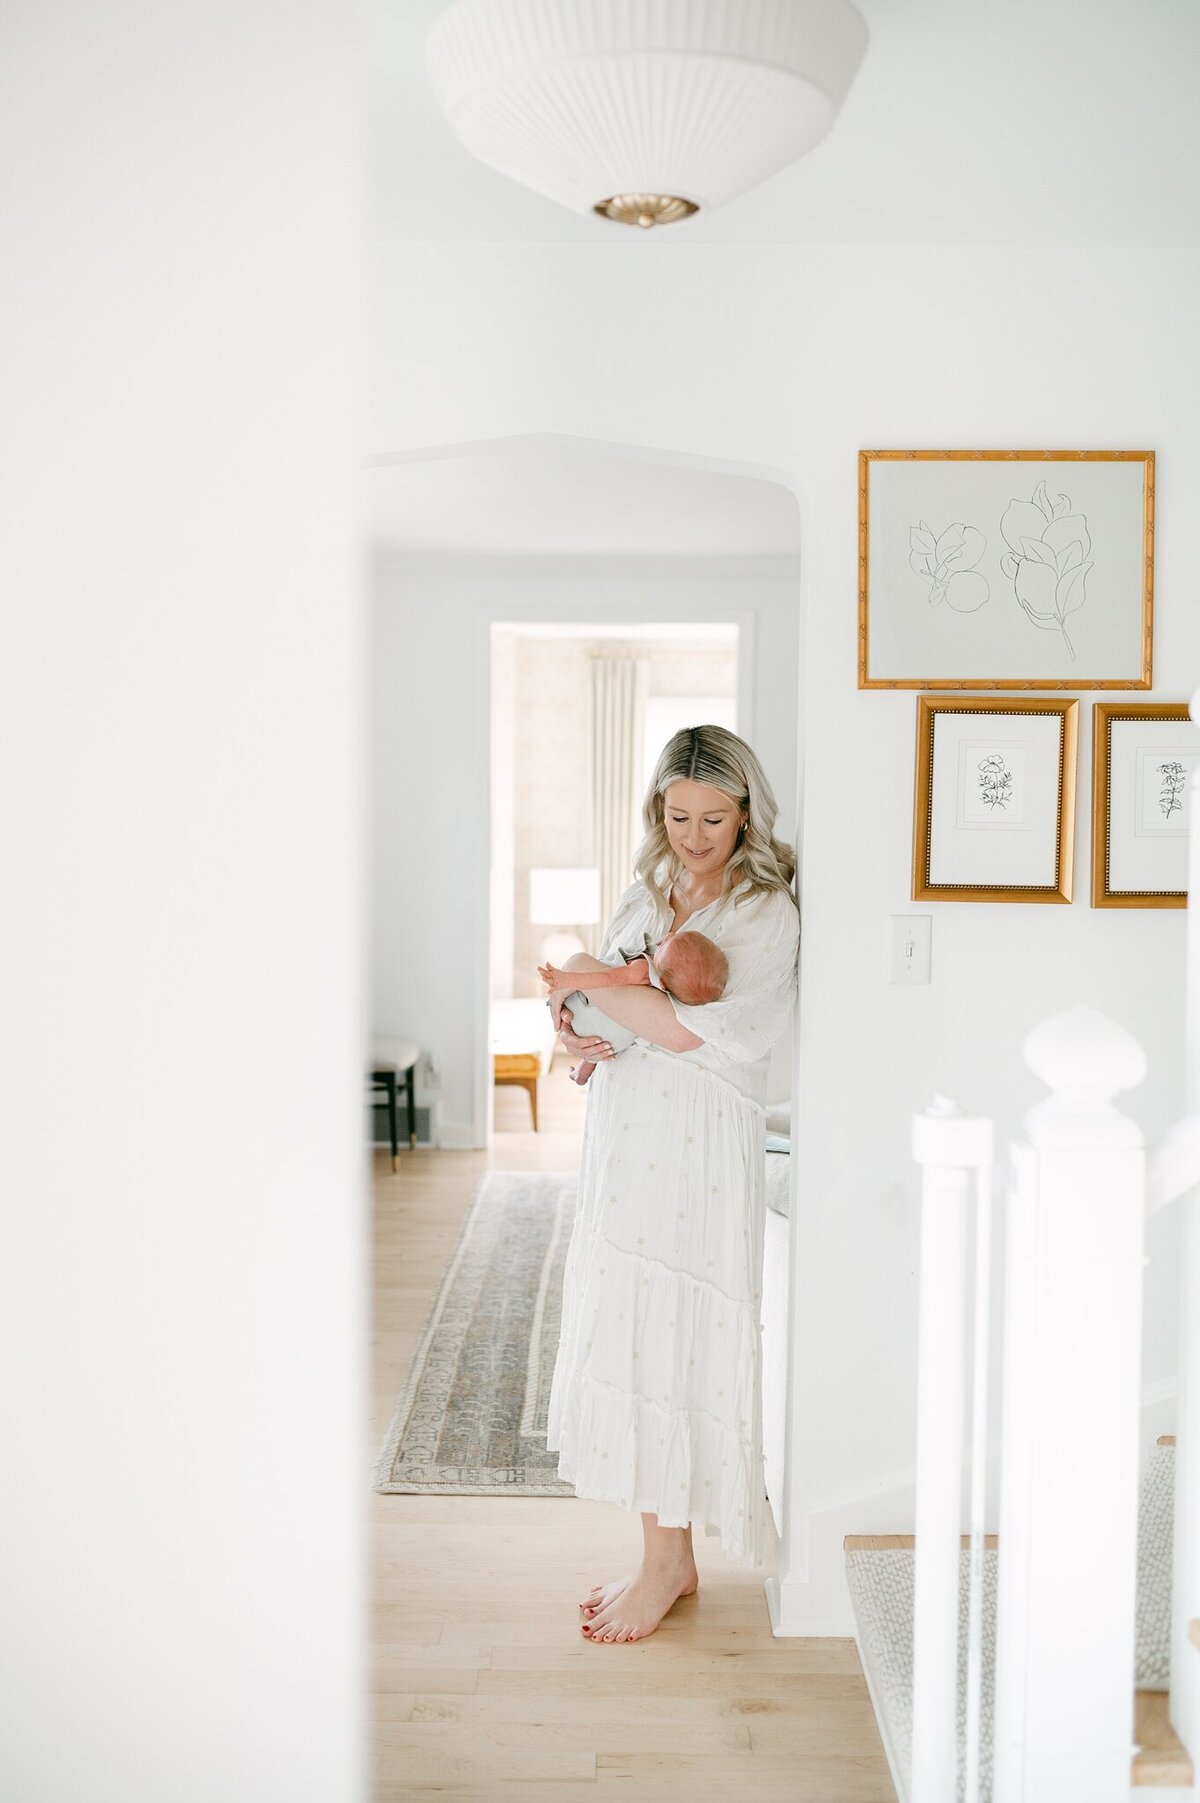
(458, 1753)
(609, 1716)
(800, 1778)
(389, 1789)
(629, 1678)
(431, 1652)
(576, 1728)
(432, 1679)
(770, 1658)
(392, 1706)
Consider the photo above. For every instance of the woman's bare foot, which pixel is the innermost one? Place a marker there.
(641, 1601)
(601, 1594)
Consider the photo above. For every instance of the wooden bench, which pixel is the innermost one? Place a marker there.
(523, 1042)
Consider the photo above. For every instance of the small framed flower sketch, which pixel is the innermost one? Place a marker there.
(1005, 569)
(1144, 755)
(994, 819)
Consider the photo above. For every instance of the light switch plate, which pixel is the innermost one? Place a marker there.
(909, 942)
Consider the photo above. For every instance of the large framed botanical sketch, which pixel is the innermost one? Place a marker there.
(1144, 755)
(1005, 569)
(994, 816)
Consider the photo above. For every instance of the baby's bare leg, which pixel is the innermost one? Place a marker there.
(581, 1073)
(582, 972)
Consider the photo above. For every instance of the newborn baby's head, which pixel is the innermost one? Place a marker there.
(691, 967)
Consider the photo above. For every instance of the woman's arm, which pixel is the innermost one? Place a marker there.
(649, 1014)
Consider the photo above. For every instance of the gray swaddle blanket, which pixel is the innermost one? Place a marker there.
(589, 1021)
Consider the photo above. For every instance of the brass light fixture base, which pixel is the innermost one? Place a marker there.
(646, 210)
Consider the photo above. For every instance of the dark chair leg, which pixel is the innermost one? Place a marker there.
(411, 1095)
(391, 1102)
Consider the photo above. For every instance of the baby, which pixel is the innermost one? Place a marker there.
(689, 966)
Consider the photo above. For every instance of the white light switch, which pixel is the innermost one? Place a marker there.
(909, 938)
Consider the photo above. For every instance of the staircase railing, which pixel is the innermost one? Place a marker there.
(1074, 1236)
(1071, 1404)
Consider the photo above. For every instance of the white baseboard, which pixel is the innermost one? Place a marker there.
(457, 1136)
(792, 1615)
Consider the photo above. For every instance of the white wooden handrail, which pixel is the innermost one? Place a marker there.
(1174, 1166)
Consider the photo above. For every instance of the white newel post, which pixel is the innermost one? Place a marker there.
(1069, 1467)
(951, 1148)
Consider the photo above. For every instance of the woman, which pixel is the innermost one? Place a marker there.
(656, 1398)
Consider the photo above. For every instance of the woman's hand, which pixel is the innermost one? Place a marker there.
(554, 1001)
(592, 1050)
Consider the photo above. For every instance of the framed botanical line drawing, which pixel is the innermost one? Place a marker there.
(1144, 755)
(1005, 569)
(994, 816)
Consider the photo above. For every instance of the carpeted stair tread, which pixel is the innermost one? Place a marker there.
(879, 1572)
(1156, 1516)
(881, 1589)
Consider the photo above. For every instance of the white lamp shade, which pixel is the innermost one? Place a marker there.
(569, 897)
(583, 100)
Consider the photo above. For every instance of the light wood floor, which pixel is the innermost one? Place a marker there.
(484, 1687)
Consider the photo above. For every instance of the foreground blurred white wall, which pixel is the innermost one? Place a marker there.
(181, 1438)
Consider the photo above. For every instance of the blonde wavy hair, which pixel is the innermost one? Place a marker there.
(719, 759)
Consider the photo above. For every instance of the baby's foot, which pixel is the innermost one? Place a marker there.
(635, 1612)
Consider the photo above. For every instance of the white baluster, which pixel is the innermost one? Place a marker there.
(950, 1147)
(972, 1769)
(1069, 1479)
(1185, 1597)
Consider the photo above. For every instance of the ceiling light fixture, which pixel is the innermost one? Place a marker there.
(644, 111)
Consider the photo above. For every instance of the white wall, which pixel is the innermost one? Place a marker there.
(182, 1280)
(430, 739)
(794, 358)
(502, 698)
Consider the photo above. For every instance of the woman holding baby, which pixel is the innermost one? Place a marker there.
(656, 1401)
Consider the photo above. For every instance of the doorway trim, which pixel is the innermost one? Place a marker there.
(791, 1555)
(622, 614)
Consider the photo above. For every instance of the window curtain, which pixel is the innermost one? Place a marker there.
(619, 687)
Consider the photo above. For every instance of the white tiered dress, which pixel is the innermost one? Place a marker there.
(656, 1401)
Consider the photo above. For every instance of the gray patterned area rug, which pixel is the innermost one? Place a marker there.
(471, 1419)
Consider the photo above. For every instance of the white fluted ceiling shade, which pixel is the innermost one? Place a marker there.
(643, 103)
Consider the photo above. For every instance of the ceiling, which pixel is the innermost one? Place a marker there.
(971, 122)
(556, 497)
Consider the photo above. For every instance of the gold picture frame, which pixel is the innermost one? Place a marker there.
(1128, 848)
(994, 802)
(975, 572)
